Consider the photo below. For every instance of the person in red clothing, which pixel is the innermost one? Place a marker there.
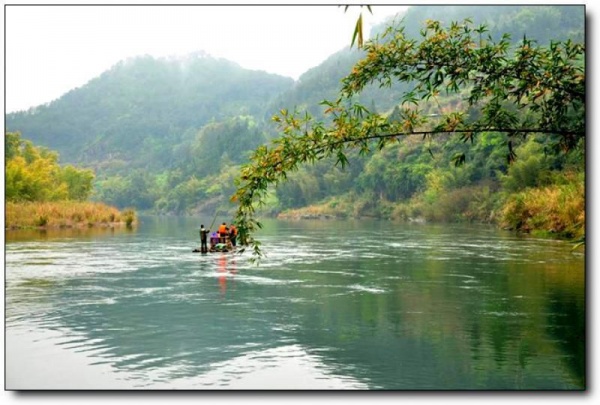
(232, 234)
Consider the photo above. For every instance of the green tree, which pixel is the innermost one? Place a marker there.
(517, 91)
(79, 182)
(33, 174)
(532, 169)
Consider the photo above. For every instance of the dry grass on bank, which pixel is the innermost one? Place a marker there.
(65, 214)
(557, 209)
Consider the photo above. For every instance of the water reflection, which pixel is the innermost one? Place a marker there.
(226, 267)
(566, 326)
(431, 308)
(22, 235)
(222, 264)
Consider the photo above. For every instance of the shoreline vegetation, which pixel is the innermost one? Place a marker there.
(554, 211)
(41, 194)
(65, 215)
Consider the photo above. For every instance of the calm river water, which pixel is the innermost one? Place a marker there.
(335, 305)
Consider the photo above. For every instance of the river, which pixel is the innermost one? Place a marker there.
(365, 304)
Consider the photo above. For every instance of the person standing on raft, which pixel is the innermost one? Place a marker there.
(233, 234)
(203, 239)
(223, 233)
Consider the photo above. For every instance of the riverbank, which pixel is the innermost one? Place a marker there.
(65, 214)
(555, 211)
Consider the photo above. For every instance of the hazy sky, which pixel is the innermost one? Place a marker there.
(53, 49)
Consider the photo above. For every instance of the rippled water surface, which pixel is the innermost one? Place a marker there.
(335, 305)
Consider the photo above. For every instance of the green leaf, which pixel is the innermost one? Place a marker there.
(358, 33)
(459, 159)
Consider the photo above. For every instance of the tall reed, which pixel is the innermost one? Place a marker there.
(64, 214)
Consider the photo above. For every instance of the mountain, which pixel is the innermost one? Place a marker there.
(143, 107)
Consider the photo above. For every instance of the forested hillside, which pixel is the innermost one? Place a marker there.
(140, 110)
(151, 128)
(170, 135)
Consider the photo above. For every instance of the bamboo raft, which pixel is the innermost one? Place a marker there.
(217, 244)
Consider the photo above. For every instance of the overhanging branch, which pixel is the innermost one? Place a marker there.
(457, 131)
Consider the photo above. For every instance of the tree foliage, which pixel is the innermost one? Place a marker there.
(33, 174)
(516, 91)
